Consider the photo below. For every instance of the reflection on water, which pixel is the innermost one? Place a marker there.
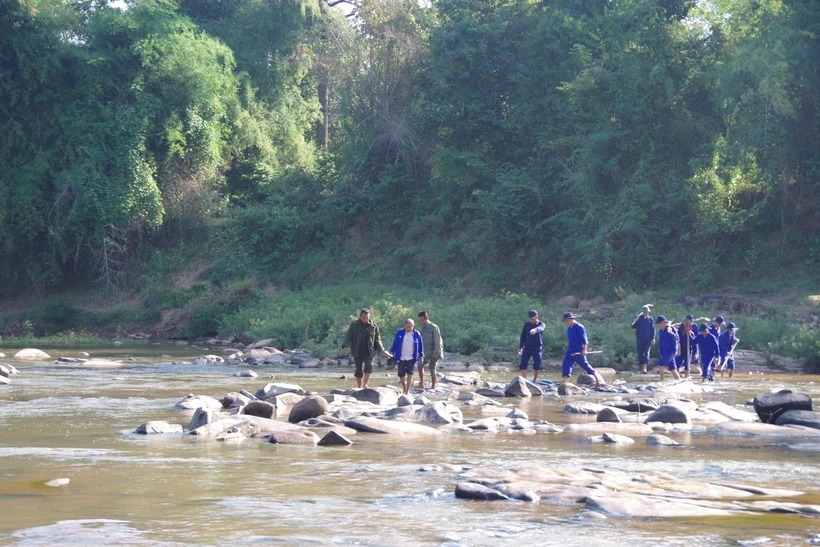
(65, 421)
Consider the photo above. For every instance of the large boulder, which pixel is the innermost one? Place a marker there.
(309, 407)
(382, 396)
(32, 354)
(157, 426)
(805, 418)
(608, 414)
(535, 389)
(669, 414)
(263, 409)
(517, 388)
(769, 406)
(235, 400)
(441, 412)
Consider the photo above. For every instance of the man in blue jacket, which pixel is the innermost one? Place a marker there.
(576, 354)
(727, 343)
(709, 352)
(688, 349)
(644, 327)
(668, 348)
(407, 349)
(714, 328)
(531, 344)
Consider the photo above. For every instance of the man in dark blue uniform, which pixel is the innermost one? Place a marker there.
(709, 352)
(688, 348)
(644, 327)
(576, 354)
(530, 345)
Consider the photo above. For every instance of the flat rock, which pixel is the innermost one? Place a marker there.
(475, 491)
(637, 405)
(245, 374)
(382, 396)
(730, 412)
(764, 430)
(294, 437)
(661, 440)
(157, 426)
(805, 418)
(278, 388)
(626, 428)
(583, 407)
(376, 425)
(611, 438)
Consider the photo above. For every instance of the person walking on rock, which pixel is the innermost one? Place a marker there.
(644, 327)
(407, 348)
(531, 344)
(433, 348)
(363, 341)
(727, 343)
(668, 348)
(709, 352)
(688, 348)
(576, 354)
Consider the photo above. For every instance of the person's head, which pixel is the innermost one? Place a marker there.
(423, 317)
(731, 327)
(409, 325)
(717, 321)
(689, 319)
(364, 315)
(533, 315)
(569, 319)
(662, 322)
(703, 329)
(645, 310)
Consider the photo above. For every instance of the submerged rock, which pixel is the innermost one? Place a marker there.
(376, 425)
(474, 491)
(294, 437)
(157, 426)
(669, 414)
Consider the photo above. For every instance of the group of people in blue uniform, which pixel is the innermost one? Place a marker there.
(681, 346)
(684, 345)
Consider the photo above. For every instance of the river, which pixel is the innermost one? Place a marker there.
(68, 421)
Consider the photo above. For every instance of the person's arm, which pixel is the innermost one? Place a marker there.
(635, 321)
(348, 339)
(652, 328)
(438, 343)
(377, 342)
(522, 338)
(417, 334)
(585, 341)
(539, 327)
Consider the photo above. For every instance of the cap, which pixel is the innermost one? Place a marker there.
(661, 319)
(731, 326)
(568, 315)
(703, 327)
(719, 319)
(532, 313)
(646, 308)
(689, 317)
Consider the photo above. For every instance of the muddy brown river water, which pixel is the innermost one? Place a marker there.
(67, 421)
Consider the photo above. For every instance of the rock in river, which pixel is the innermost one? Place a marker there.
(157, 426)
(800, 417)
(309, 407)
(382, 396)
(294, 437)
(769, 406)
(517, 388)
(375, 425)
(475, 491)
(669, 414)
(441, 412)
(334, 438)
(32, 354)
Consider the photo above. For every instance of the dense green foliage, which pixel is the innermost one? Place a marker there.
(475, 146)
